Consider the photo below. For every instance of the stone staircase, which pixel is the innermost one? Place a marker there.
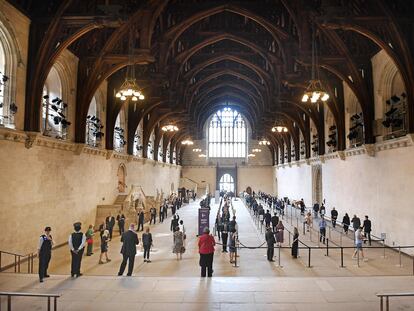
(129, 205)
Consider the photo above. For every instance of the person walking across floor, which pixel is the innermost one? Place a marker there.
(356, 222)
(308, 221)
(367, 230)
(232, 244)
(178, 240)
(279, 233)
(346, 222)
(129, 241)
(89, 240)
(206, 245)
(77, 241)
(44, 253)
(334, 216)
(147, 244)
(104, 247)
(322, 230)
(358, 243)
(270, 240)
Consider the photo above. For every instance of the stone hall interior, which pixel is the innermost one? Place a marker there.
(285, 127)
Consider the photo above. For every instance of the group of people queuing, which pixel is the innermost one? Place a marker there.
(226, 227)
(274, 234)
(362, 229)
(365, 226)
(79, 241)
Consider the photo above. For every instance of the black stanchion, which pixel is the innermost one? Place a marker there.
(342, 257)
(327, 247)
(309, 257)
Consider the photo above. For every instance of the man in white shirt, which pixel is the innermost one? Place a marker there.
(77, 241)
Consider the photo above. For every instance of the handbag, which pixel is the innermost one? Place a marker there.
(182, 249)
(89, 241)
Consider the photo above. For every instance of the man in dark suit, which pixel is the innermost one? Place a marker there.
(270, 240)
(110, 223)
(128, 250)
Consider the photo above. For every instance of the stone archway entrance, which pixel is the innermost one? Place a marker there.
(121, 178)
(317, 184)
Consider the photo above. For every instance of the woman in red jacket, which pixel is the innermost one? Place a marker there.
(206, 245)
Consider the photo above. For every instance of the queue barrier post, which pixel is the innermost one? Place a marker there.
(342, 257)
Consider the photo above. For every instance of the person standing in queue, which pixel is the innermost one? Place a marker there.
(129, 241)
(141, 221)
(89, 241)
(334, 216)
(270, 240)
(224, 235)
(346, 222)
(295, 243)
(121, 223)
(44, 253)
(110, 224)
(77, 241)
(153, 213)
(206, 245)
(161, 214)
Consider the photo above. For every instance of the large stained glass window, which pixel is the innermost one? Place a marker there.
(227, 135)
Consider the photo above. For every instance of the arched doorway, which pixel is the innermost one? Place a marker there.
(121, 178)
(317, 184)
(226, 183)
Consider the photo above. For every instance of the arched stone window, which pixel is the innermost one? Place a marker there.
(159, 156)
(138, 140)
(226, 183)
(168, 155)
(227, 134)
(119, 132)
(174, 155)
(94, 127)
(53, 108)
(9, 58)
(150, 147)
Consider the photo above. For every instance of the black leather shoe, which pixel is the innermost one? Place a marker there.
(41, 281)
(47, 276)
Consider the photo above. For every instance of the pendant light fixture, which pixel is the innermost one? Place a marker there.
(314, 92)
(129, 89)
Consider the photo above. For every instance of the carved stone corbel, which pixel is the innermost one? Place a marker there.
(130, 158)
(370, 149)
(30, 140)
(411, 138)
(79, 149)
(109, 154)
(341, 155)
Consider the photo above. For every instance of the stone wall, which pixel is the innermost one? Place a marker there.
(376, 182)
(48, 186)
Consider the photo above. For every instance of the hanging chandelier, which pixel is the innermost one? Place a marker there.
(196, 150)
(202, 156)
(187, 142)
(264, 142)
(170, 128)
(256, 150)
(279, 129)
(129, 89)
(314, 92)
(251, 155)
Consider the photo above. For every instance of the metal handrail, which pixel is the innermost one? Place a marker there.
(18, 259)
(387, 295)
(341, 248)
(17, 294)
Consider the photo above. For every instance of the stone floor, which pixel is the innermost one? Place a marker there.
(255, 285)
